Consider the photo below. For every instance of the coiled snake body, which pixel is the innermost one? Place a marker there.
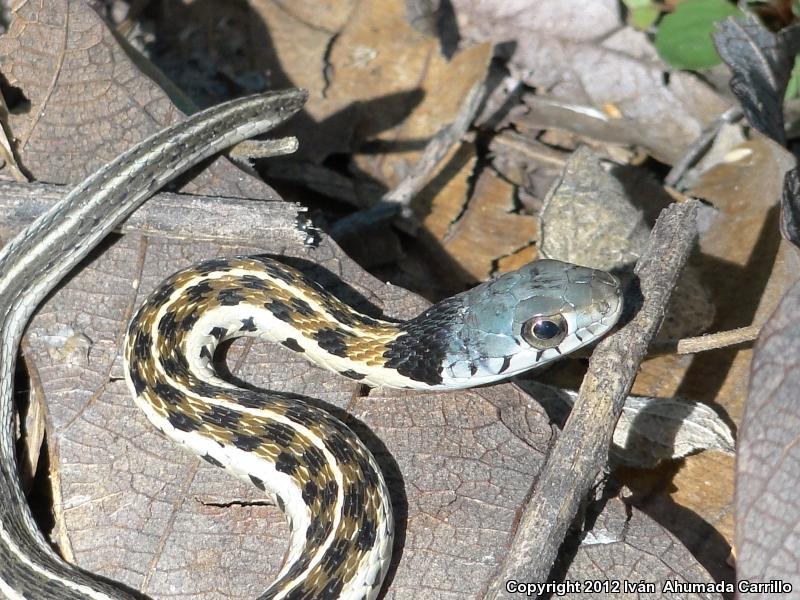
(314, 467)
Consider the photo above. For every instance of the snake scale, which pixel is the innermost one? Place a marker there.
(316, 470)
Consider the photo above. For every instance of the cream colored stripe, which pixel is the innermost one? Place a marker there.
(36, 568)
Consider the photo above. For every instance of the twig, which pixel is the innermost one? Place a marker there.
(696, 149)
(169, 215)
(397, 199)
(532, 150)
(581, 450)
(709, 341)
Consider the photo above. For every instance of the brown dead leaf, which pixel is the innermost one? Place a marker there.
(8, 162)
(477, 230)
(767, 470)
(488, 229)
(583, 55)
(623, 549)
(379, 54)
(80, 83)
(377, 86)
(133, 507)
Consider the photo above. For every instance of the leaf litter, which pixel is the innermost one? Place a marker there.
(577, 101)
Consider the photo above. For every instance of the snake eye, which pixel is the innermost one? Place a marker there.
(545, 331)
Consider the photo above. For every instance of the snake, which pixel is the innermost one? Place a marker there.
(315, 469)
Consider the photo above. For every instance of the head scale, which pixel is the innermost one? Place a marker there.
(527, 318)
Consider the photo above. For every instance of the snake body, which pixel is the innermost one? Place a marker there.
(310, 463)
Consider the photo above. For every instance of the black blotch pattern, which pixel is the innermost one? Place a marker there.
(206, 353)
(328, 495)
(368, 474)
(505, 365)
(189, 320)
(310, 491)
(286, 463)
(352, 374)
(301, 413)
(317, 531)
(367, 320)
(175, 365)
(300, 566)
(292, 344)
(167, 393)
(366, 535)
(215, 264)
(247, 398)
(218, 333)
(279, 310)
(258, 483)
(302, 307)
(354, 496)
(167, 326)
(136, 378)
(419, 352)
(203, 388)
(331, 591)
(332, 341)
(335, 554)
(342, 316)
(473, 368)
(314, 460)
(222, 416)
(230, 297)
(198, 290)
(248, 324)
(341, 450)
(162, 294)
(248, 443)
(183, 422)
(212, 461)
(282, 434)
(252, 282)
(280, 504)
(142, 345)
(278, 271)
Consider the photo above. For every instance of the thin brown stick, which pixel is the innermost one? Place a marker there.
(166, 215)
(709, 341)
(581, 450)
(699, 146)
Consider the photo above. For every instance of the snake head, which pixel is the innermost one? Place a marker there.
(527, 318)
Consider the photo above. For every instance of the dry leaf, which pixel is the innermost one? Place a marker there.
(585, 56)
(769, 460)
(133, 507)
(621, 548)
(476, 232)
(650, 429)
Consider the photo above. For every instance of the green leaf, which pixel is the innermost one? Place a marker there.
(684, 37)
(793, 87)
(642, 18)
(642, 13)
